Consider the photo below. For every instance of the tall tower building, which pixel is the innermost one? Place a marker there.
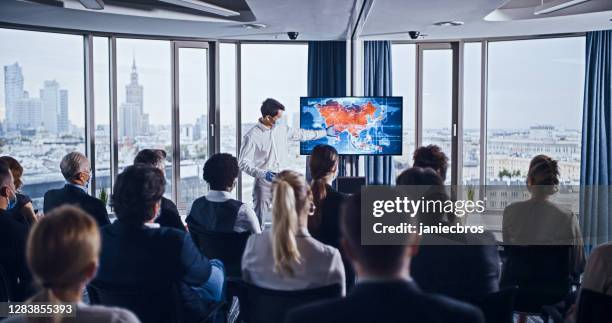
(50, 102)
(13, 92)
(63, 125)
(134, 121)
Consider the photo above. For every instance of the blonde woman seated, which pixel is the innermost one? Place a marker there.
(62, 254)
(287, 257)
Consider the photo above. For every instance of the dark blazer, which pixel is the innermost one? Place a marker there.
(70, 194)
(13, 237)
(169, 216)
(328, 230)
(135, 256)
(389, 302)
(457, 267)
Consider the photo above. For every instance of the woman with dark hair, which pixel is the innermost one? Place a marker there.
(433, 157)
(22, 211)
(461, 266)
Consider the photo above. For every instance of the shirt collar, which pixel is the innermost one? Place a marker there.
(219, 194)
(302, 232)
(373, 279)
(152, 225)
(83, 188)
(261, 126)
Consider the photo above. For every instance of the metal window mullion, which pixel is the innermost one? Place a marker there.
(484, 66)
(112, 66)
(457, 114)
(90, 148)
(418, 111)
(175, 126)
(238, 62)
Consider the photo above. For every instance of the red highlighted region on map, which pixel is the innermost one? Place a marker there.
(353, 118)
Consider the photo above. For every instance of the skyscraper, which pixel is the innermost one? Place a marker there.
(63, 125)
(29, 116)
(13, 92)
(134, 120)
(49, 96)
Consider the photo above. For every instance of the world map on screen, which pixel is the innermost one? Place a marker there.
(366, 125)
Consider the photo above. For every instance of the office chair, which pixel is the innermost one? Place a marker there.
(497, 307)
(226, 246)
(5, 287)
(594, 307)
(262, 305)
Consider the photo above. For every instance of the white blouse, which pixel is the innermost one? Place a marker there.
(320, 265)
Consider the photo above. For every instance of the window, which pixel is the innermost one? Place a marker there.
(471, 113)
(404, 77)
(144, 110)
(279, 72)
(534, 107)
(41, 104)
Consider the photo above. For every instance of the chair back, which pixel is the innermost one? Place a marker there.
(159, 305)
(594, 307)
(5, 287)
(226, 246)
(497, 307)
(264, 305)
(541, 273)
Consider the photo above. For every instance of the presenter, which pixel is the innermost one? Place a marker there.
(265, 149)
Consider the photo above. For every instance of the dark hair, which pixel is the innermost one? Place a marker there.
(15, 168)
(419, 176)
(137, 189)
(544, 173)
(220, 171)
(323, 161)
(5, 172)
(434, 192)
(151, 157)
(381, 259)
(270, 107)
(431, 156)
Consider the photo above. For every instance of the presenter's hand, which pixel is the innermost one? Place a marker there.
(270, 176)
(331, 131)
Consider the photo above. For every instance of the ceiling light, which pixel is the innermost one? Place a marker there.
(555, 5)
(93, 4)
(202, 6)
(254, 26)
(451, 23)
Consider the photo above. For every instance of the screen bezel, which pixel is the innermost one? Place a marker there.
(401, 99)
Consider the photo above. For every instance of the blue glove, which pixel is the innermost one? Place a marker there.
(270, 176)
(331, 131)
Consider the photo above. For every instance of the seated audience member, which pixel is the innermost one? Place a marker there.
(136, 255)
(13, 236)
(455, 265)
(384, 291)
(218, 211)
(539, 221)
(23, 210)
(63, 251)
(169, 216)
(286, 257)
(431, 156)
(77, 172)
(598, 271)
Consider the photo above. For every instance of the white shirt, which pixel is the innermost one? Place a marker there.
(91, 314)
(320, 265)
(264, 149)
(246, 220)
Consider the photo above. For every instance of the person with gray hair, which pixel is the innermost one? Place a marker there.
(75, 168)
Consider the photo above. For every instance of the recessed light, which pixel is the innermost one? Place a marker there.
(451, 23)
(254, 26)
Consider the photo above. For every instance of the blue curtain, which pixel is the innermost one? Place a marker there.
(596, 165)
(326, 74)
(377, 82)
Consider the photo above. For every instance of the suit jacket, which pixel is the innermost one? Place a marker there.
(136, 256)
(389, 302)
(457, 268)
(70, 194)
(169, 216)
(13, 237)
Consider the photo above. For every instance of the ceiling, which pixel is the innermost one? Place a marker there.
(314, 19)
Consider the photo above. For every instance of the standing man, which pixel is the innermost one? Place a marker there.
(264, 150)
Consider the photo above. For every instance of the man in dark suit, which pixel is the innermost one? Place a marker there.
(384, 291)
(169, 216)
(77, 172)
(138, 254)
(13, 236)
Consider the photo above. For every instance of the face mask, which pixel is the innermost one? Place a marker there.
(12, 201)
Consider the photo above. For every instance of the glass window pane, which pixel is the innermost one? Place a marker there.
(471, 113)
(276, 71)
(102, 116)
(144, 97)
(534, 107)
(193, 112)
(437, 100)
(404, 63)
(227, 69)
(41, 104)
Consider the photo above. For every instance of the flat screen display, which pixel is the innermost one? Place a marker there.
(365, 125)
